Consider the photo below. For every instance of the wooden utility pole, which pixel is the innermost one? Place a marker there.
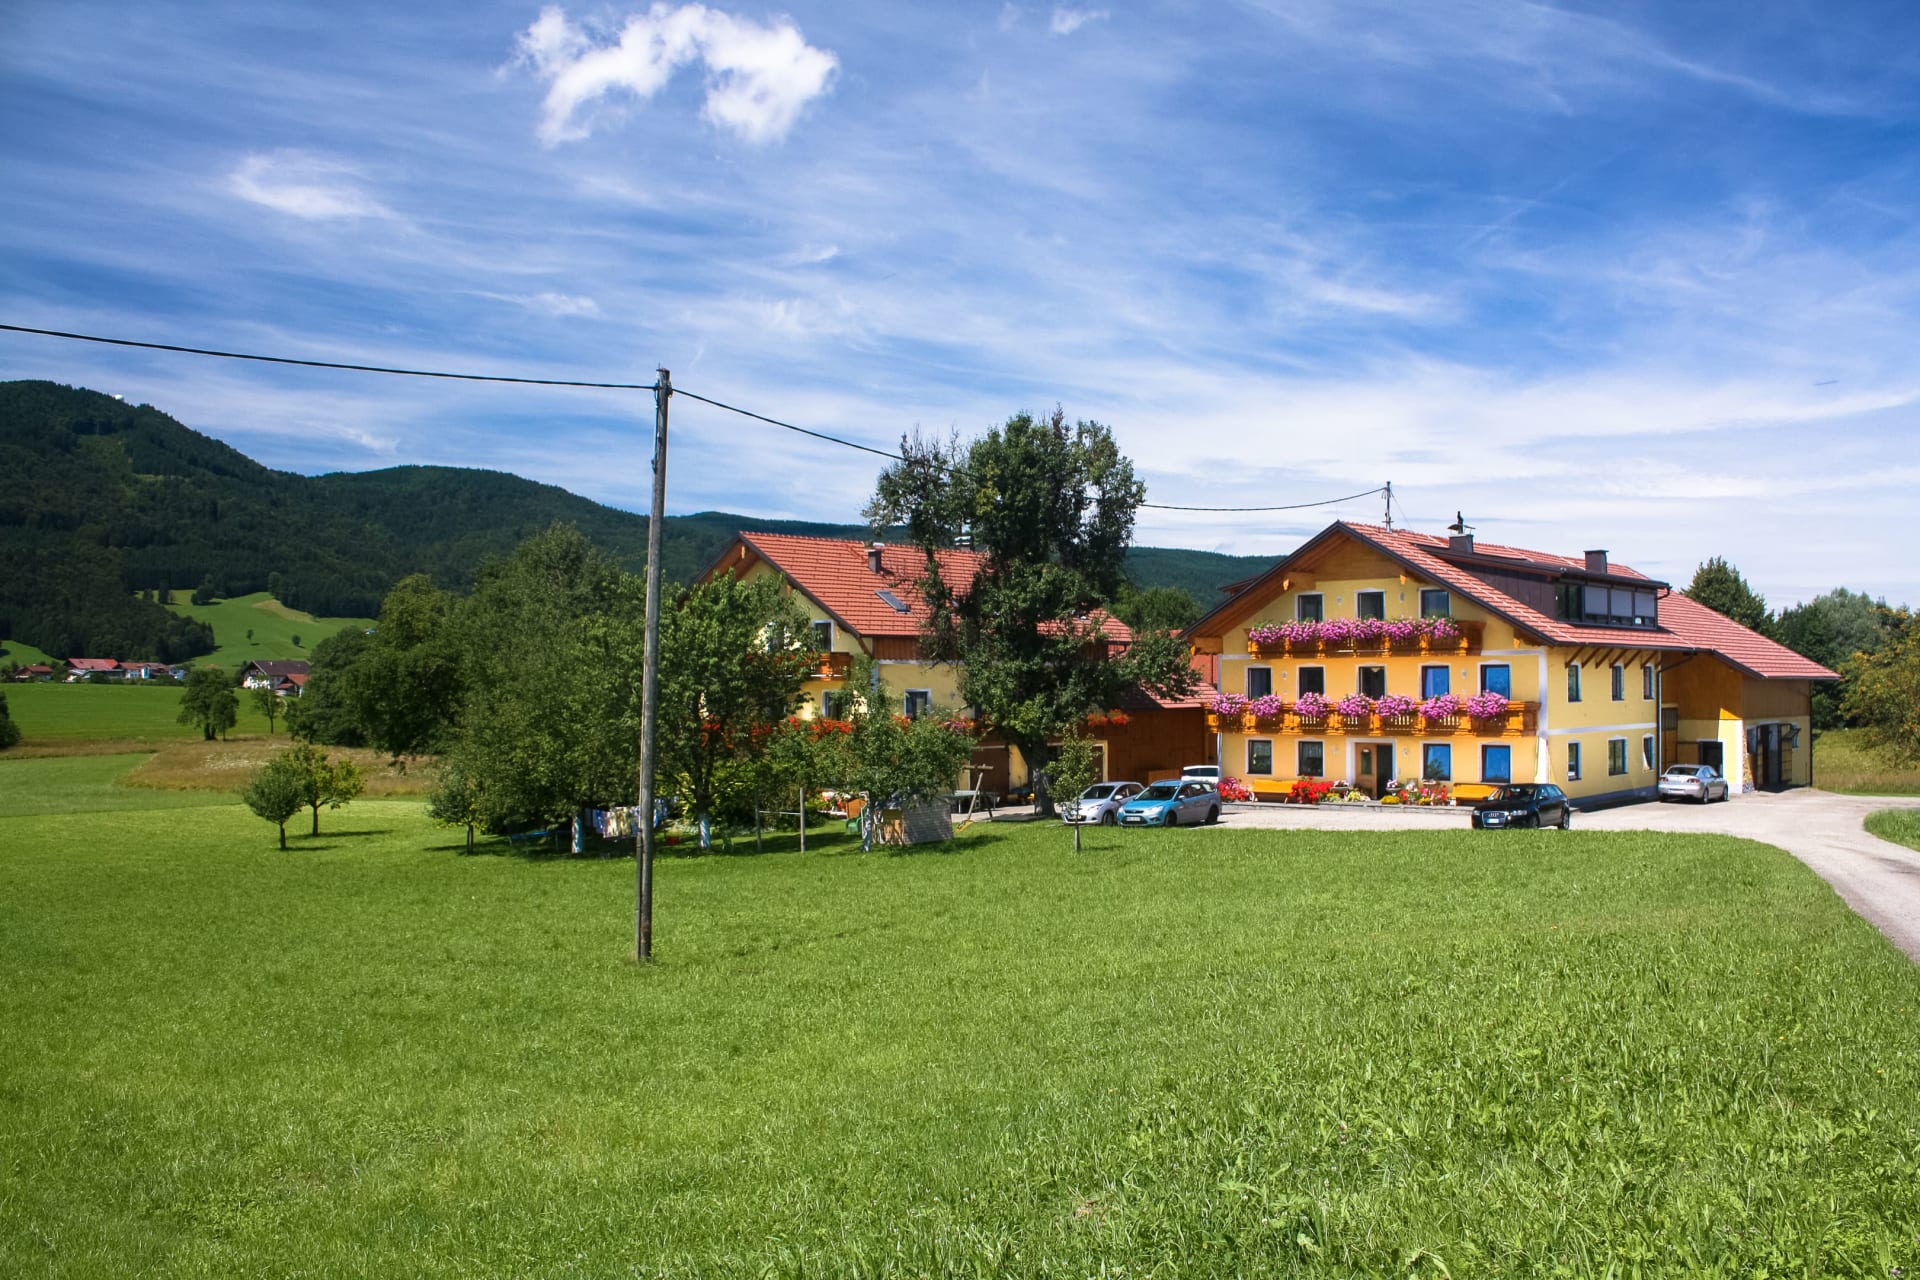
(650, 673)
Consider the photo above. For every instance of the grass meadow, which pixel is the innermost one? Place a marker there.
(272, 625)
(23, 654)
(1902, 826)
(1841, 762)
(132, 712)
(1188, 1053)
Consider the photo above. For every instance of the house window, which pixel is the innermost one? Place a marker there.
(1373, 682)
(1619, 683)
(1312, 759)
(1313, 680)
(1260, 756)
(1259, 681)
(1616, 756)
(1497, 677)
(823, 636)
(1435, 681)
(1646, 752)
(1369, 604)
(1646, 682)
(1496, 763)
(836, 704)
(1306, 608)
(919, 702)
(1436, 762)
(1435, 603)
(1573, 682)
(1573, 762)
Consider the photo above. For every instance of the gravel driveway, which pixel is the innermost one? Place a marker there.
(1879, 880)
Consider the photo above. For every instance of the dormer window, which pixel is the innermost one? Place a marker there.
(1603, 604)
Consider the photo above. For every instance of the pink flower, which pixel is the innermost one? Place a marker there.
(1443, 706)
(1487, 706)
(1313, 706)
(1229, 704)
(1266, 705)
(1355, 705)
(1394, 704)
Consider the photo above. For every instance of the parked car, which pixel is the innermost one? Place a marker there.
(1100, 803)
(1524, 804)
(1691, 782)
(1207, 773)
(1185, 803)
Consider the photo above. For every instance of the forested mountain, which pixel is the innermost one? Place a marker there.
(104, 499)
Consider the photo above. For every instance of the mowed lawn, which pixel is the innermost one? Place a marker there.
(137, 711)
(1189, 1053)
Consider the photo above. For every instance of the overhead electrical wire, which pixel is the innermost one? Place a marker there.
(597, 386)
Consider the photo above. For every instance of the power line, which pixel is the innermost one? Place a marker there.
(817, 435)
(329, 364)
(598, 386)
(1294, 506)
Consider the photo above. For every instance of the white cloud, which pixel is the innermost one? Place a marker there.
(759, 77)
(560, 304)
(1067, 21)
(304, 185)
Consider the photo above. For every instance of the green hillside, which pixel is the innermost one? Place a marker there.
(258, 627)
(113, 508)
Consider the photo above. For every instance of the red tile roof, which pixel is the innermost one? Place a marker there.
(836, 575)
(1686, 626)
(93, 664)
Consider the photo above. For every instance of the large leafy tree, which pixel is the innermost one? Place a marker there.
(1830, 629)
(1883, 687)
(733, 657)
(1050, 505)
(1719, 586)
(403, 688)
(550, 666)
(210, 701)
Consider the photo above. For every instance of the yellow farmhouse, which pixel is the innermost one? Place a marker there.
(862, 599)
(1372, 655)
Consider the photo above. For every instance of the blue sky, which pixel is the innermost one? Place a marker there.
(1640, 276)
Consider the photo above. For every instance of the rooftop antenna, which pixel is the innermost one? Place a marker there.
(1389, 495)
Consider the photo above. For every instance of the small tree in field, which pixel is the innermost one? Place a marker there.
(276, 792)
(267, 703)
(9, 731)
(326, 782)
(210, 702)
(455, 801)
(1073, 770)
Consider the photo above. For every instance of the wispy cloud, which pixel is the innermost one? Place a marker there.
(1066, 21)
(759, 77)
(304, 185)
(552, 304)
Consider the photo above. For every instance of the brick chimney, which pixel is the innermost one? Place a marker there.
(873, 556)
(1597, 562)
(1461, 542)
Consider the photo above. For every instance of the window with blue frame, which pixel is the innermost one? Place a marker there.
(1436, 762)
(1497, 678)
(1496, 763)
(1435, 681)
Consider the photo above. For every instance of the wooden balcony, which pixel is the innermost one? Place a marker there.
(1468, 641)
(832, 666)
(1518, 721)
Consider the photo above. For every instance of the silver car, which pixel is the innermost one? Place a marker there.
(1099, 803)
(1692, 782)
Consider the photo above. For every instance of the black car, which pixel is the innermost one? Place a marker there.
(1525, 804)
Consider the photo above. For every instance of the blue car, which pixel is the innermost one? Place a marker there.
(1172, 804)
